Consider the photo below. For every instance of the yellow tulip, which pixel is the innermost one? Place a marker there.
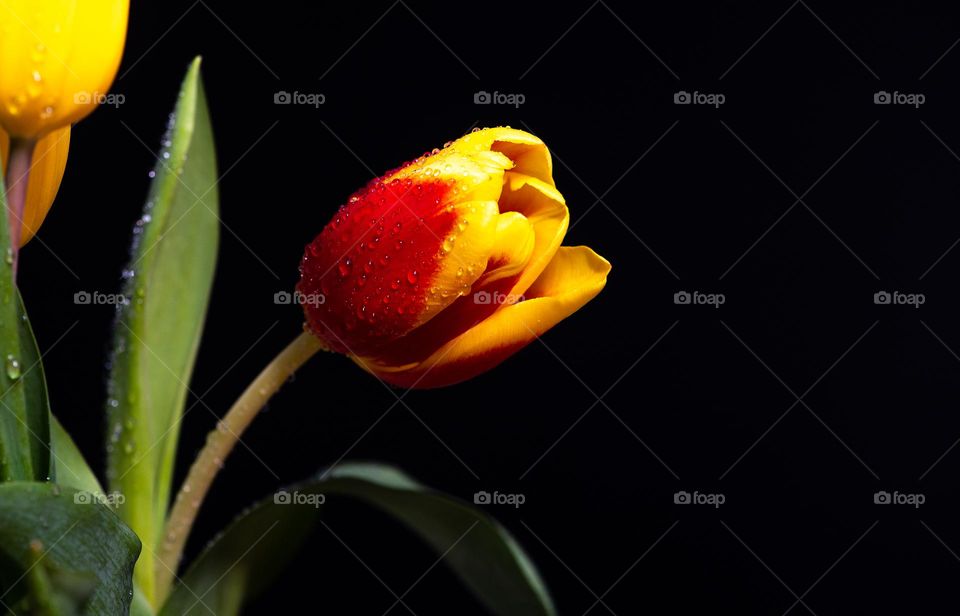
(49, 161)
(58, 59)
(448, 265)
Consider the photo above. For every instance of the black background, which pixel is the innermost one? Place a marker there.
(798, 199)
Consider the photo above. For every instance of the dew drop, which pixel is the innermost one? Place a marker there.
(12, 367)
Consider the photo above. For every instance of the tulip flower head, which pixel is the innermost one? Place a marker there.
(443, 268)
(57, 60)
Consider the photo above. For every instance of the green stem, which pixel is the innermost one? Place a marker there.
(220, 443)
(17, 180)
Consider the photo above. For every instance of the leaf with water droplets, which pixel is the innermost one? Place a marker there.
(24, 428)
(158, 333)
(25, 410)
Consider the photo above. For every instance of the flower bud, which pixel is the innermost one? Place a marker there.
(57, 61)
(444, 267)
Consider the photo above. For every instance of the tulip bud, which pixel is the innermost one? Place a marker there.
(444, 267)
(58, 59)
(49, 161)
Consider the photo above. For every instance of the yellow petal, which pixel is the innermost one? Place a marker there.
(528, 153)
(465, 252)
(48, 165)
(478, 175)
(545, 209)
(58, 59)
(515, 239)
(573, 277)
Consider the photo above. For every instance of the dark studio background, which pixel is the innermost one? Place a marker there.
(677, 197)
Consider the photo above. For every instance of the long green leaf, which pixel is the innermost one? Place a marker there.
(252, 551)
(24, 412)
(158, 331)
(62, 552)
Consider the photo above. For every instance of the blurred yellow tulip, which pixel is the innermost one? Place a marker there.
(58, 59)
(49, 162)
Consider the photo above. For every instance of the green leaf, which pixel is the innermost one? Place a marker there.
(72, 471)
(70, 467)
(61, 553)
(34, 383)
(24, 410)
(158, 331)
(246, 558)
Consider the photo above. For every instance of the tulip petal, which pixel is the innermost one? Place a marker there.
(466, 250)
(528, 153)
(545, 209)
(514, 244)
(395, 256)
(58, 59)
(478, 175)
(48, 165)
(573, 277)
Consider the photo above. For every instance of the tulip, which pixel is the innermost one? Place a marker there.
(445, 267)
(430, 275)
(57, 60)
(49, 158)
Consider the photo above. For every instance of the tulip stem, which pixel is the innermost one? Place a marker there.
(220, 443)
(17, 180)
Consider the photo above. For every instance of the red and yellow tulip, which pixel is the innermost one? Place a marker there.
(48, 164)
(443, 268)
